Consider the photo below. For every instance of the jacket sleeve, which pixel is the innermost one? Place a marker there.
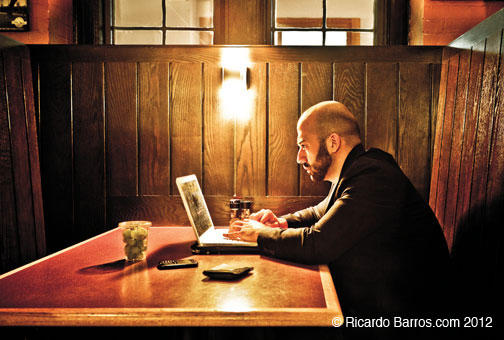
(369, 200)
(309, 216)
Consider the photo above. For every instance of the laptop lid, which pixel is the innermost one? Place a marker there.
(195, 205)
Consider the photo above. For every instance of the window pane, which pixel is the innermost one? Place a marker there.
(129, 37)
(349, 38)
(350, 13)
(292, 38)
(134, 13)
(189, 13)
(189, 37)
(298, 13)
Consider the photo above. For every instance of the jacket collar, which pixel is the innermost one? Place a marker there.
(356, 152)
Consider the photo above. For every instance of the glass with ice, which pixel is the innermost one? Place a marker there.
(134, 235)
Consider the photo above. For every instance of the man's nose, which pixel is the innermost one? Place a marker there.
(301, 156)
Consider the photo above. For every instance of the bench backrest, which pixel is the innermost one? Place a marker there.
(21, 213)
(467, 180)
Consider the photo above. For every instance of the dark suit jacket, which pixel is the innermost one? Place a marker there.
(385, 249)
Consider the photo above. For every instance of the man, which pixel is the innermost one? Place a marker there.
(384, 247)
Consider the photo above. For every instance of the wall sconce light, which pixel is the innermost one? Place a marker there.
(236, 97)
(238, 77)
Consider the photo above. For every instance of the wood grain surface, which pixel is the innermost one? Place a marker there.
(153, 129)
(8, 253)
(250, 145)
(20, 154)
(186, 121)
(284, 110)
(350, 89)
(413, 149)
(88, 148)
(121, 128)
(163, 118)
(22, 227)
(382, 110)
(316, 86)
(467, 171)
(56, 153)
(218, 138)
(92, 285)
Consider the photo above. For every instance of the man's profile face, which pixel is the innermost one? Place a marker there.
(313, 155)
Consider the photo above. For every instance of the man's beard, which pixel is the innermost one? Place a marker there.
(321, 165)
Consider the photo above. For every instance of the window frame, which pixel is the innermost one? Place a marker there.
(352, 33)
(92, 22)
(111, 28)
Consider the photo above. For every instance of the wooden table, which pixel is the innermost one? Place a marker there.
(89, 284)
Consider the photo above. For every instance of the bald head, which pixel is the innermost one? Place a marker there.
(329, 117)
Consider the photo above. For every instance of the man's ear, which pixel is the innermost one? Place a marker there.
(333, 142)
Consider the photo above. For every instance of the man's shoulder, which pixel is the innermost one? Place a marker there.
(375, 158)
(375, 171)
(374, 166)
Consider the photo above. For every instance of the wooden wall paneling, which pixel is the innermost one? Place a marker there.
(438, 131)
(258, 54)
(251, 14)
(56, 153)
(169, 210)
(121, 128)
(382, 110)
(446, 138)
(493, 233)
(89, 148)
(414, 122)
(22, 234)
(283, 113)
(9, 250)
(484, 130)
(20, 155)
(477, 242)
(33, 149)
(186, 121)
(435, 90)
(197, 136)
(316, 86)
(349, 88)
(251, 139)
(153, 126)
(469, 140)
(159, 209)
(218, 136)
(457, 135)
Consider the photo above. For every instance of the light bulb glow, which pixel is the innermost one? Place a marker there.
(237, 102)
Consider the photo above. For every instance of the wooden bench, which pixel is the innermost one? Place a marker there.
(22, 233)
(467, 180)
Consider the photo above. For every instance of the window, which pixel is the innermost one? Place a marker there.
(323, 22)
(162, 22)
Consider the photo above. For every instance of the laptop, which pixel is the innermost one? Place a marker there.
(209, 239)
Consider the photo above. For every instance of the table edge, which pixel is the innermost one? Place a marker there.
(193, 317)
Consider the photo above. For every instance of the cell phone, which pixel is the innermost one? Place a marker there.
(172, 264)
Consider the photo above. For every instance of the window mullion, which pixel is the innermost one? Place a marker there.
(324, 16)
(163, 7)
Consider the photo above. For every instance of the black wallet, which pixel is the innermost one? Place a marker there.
(224, 273)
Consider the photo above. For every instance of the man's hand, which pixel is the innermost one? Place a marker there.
(268, 218)
(244, 230)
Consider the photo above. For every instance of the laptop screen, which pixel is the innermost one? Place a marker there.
(194, 203)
